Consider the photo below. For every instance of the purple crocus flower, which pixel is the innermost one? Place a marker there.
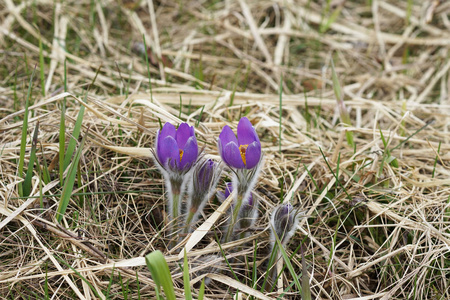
(224, 195)
(176, 149)
(284, 221)
(205, 176)
(243, 152)
(175, 153)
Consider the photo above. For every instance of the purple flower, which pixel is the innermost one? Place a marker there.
(205, 176)
(176, 149)
(222, 196)
(204, 180)
(243, 151)
(284, 221)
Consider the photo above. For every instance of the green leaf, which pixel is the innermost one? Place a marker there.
(27, 182)
(201, 292)
(69, 182)
(287, 261)
(187, 284)
(157, 265)
(23, 141)
(306, 290)
(343, 113)
(75, 135)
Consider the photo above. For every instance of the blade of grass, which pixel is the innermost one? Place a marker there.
(77, 128)
(287, 261)
(69, 182)
(157, 265)
(337, 179)
(343, 113)
(281, 112)
(306, 289)
(41, 66)
(75, 135)
(201, 292)
(23, 141)
(436, 159)
(138, 286)
(187, 285)
(108, 289)
(29, 176)
(62, 129)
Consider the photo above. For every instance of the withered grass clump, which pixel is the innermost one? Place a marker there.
(377, 223)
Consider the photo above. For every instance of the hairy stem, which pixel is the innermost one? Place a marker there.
(234, 217)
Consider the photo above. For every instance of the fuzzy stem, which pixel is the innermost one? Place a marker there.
(175, 212)
(189, 220)
(234, 217)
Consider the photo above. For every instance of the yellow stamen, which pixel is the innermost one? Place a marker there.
(181, 154)
(242, 149)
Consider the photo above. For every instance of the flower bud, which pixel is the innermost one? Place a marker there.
(284, 221)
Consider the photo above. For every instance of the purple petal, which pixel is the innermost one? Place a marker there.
(245, 132)
(252, 155)
(184, 132)
(232, 156)
(167, 130)
(228, 189)
(168, 151)
(227, 135)
(190, 153)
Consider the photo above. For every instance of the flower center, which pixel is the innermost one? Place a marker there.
(181, 154)
(242, 149)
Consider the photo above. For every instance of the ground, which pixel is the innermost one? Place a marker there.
(350, 100)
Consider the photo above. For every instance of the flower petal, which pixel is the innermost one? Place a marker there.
(227, 135)
(184, 132)
(228, 189)
(168, 151)
(246, 133)
(167, 130)
(232, 156)
(253, 155)
(190, 153)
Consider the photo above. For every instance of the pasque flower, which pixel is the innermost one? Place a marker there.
(176, 151)
(243, 151)
(283, 224)
(284, 221)
(204, 180)
(243, 155)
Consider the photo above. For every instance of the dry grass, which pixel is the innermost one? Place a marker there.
(375, 231)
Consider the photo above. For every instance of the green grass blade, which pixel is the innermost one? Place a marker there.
(343, 113)
(73, 140)
(69, 182)
(287, 261)
(306, 289)
(138, 286)
(62, 129)
(27, 182)
(41, 66)
(186, 281)
(280, 113)
(157, 265)
(23, 141)
(111, 279)
(201, 292)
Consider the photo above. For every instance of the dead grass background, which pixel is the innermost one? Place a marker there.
(380, 232)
